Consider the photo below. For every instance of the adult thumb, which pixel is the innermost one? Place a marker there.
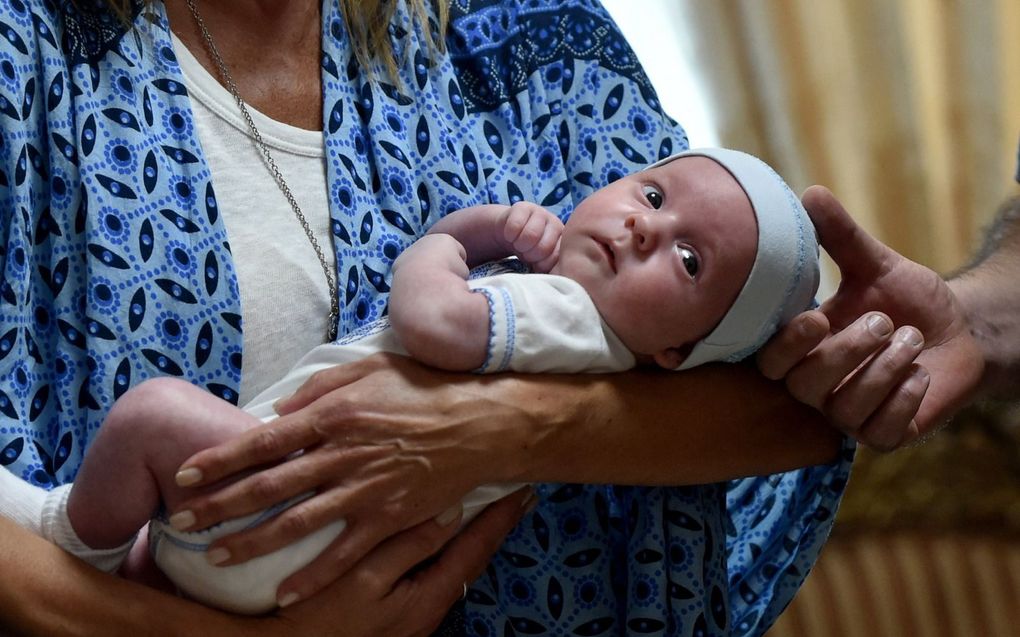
(855, 252)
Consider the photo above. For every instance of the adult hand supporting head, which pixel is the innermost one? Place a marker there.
(883, 387)
(385, 443)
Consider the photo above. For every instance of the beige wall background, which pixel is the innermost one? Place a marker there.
(909, 110)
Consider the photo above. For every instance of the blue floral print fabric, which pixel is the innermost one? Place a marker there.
(115, 267)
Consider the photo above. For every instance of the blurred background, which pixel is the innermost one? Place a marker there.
(909, 110)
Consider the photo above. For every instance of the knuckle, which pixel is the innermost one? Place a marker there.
(426, 540)
(295, 522)
(845, 348)
(369, 580)
(528, 238)
(894, 361)
(244, 545)
(266, 442)
(209, 510)
(265, 487)
(316, 380)
(905, 398)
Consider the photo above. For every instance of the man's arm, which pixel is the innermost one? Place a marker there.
(989, 295)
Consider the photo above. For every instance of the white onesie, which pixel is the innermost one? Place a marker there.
(539, 323)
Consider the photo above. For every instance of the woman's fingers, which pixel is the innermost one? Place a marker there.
(327, 380)
(357, 541)
(441, 584)
(377, 597)
(791, 344)
(823, 370)
(262, 445)
(259, 490)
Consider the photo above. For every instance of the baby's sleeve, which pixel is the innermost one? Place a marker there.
(541, 323)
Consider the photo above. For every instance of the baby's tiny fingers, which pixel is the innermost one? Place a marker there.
(530, 236)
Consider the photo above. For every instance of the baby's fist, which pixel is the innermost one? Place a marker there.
(533, 233)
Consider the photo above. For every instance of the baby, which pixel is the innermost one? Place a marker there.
(698, 258)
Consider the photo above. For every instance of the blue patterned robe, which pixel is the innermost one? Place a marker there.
(116, 268)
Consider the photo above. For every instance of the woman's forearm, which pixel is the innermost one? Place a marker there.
(650, 427)
(48, 592)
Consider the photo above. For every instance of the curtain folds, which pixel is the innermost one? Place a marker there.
(908, 110)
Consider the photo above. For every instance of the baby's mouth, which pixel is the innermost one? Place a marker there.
(607, 250)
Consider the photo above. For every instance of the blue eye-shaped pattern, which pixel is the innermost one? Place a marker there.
(530, 101)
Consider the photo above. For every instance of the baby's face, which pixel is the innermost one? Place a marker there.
(663, 253)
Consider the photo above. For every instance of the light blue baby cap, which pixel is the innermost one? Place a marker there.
(784, 277)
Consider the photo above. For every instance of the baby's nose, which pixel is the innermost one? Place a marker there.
(643, 231)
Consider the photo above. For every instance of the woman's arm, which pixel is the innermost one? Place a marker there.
(48, 592)
(644, 426)
(383, 464)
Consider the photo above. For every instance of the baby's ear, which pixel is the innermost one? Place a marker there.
(672, 357)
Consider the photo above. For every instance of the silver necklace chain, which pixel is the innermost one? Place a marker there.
(334, 300)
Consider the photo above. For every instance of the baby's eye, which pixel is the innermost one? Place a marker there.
(654, 196)
(690, 260)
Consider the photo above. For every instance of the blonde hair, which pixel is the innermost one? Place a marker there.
(368, 24)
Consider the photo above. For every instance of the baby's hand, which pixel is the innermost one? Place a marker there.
(533, 233)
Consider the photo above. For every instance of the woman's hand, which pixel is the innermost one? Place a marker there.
(883, 387)
(377, 597)
(386, 444)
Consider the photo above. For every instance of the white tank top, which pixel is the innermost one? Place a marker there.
(283, 291)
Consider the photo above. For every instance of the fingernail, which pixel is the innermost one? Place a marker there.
(218, 556)
(188, 477)
(447, 517)
(280, 401)
(911, 337)
(182, 520)
(879, 325)
(288, 599)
